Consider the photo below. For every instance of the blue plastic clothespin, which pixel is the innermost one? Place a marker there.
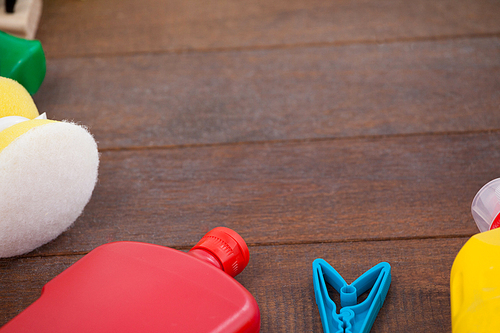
(352, 317)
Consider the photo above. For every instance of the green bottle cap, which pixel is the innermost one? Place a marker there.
(22, 60)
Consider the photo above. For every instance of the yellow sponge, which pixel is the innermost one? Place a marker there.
(48, 170)
(15, 100)
(11, 133)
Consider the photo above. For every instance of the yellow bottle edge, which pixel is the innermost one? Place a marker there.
(481, 250)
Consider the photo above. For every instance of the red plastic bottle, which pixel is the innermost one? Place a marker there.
(140, 287)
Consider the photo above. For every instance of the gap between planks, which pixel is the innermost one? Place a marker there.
(301, 140)
(288, 46)
(263, 244)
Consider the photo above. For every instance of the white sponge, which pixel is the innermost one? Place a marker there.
(47, 176)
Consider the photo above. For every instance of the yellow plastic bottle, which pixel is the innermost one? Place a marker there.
(475, 285)
(475, 275)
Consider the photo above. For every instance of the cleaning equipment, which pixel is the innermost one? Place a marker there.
(22, 60)
(486, 206)
(139, 287)
(475, 285)
(48, 170)
(475, 274)
(352, 317)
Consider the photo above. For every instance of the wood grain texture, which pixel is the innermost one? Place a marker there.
(280, 278)
(318, 92)
(326, 191)
(354, 131)
(91, 27)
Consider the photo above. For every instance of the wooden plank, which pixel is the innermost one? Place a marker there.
(75, 28)
(325, 191)
(23, 279)
(318, 92)
(418, 299)
(280, 278)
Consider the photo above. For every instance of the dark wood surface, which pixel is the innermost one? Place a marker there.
(280, 278)
(262, 95)
(356, 132)
(115, 27)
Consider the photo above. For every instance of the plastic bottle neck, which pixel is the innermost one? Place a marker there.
(206, 257)
(224, 249)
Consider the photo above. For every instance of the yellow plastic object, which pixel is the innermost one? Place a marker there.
(475, 285)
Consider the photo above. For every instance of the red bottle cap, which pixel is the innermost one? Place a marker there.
(228, 247)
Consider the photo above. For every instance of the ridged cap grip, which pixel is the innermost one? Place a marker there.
(228, 247)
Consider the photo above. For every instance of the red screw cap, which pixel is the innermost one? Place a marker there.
(228, 247)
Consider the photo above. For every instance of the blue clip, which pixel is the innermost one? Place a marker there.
(352, 317)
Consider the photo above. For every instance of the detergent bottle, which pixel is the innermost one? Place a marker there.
(22, 60)
(140, 287)
(475, 275)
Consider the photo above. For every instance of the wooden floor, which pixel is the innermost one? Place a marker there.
(353, 131)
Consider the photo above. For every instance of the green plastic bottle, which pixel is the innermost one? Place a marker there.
(22, 60)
